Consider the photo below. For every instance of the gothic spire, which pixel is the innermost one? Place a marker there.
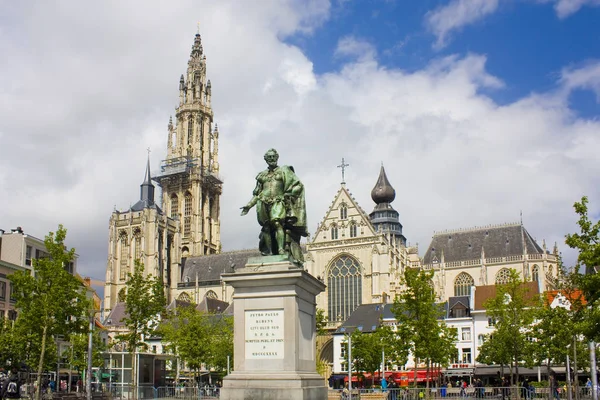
(147, 188)
(383, 192)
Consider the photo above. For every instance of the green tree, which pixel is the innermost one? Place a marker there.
(144, 301)
(320, 322)
(419, 316)
(12, 347)
(587, 243)
(51, 301)
(79, 353)
(198, 338)
(514, 309)
(369, 349)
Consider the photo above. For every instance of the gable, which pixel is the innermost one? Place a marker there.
(354, 214)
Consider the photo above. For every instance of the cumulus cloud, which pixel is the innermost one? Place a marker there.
(453, 16)
(92, 86)
(565, 8)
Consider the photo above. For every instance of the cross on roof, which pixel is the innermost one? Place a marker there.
(343, 166)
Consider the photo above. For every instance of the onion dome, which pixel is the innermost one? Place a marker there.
(383, 192)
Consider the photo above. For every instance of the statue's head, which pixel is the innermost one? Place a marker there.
(271, 156)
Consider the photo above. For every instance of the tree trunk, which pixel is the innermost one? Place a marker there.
(415, 375)
(41, 365)
(134, 373)
(550, 394)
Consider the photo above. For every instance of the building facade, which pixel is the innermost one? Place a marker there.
(188, 224)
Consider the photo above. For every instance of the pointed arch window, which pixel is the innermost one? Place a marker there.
(137, 244)
(190, 131)
(334, 232)
(353, 229)
(503, 276)
(184, 297)
(535, 273)
(187, 214)
(123, 256)
(211, 295)
(344, 281)
(343, 211)
(174, 206)
(462, 284)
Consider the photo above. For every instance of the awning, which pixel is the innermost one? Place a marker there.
(494, 370)
(458, 371)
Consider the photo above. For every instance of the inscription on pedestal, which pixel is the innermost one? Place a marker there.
(264, 334)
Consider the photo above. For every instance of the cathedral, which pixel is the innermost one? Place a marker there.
(187, 223)
(360, 256)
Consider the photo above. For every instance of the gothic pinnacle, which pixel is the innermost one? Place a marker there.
(181, 83)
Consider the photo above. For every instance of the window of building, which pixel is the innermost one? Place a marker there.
(184, 297)
(491, 322)
(334, 232)
(70, 267)
(353, 230)
(174, 206)
(343, 211)
(2, 290)
(12, 315)
(190, 131)
(466, 356)
(344, 282)
(211, 295)
(535, 273)
(480, 340)
(503, 276)
(40, 254)
(466, 333)
(11, 289)
(462, 284)
(124, 256)
(28, 254)
(137, 245)
(187, 214)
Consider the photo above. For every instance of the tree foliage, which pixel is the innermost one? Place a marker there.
(79, 353)
(587, 243)
(51, 301)
(144, 301)
(514, 309)
(198, 338)
(419, 319)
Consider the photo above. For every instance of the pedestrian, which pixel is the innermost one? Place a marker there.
(11, 385)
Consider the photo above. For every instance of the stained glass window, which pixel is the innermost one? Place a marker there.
(344, 282)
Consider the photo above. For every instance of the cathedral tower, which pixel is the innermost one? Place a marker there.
(144, 233)
(191, 187)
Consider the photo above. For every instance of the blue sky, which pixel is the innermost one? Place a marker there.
(525, 42)
(480, 110)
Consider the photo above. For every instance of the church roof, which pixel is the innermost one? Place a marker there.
(366, 318)
(116, 316)
(492, 241)
(210, 267)
(212, 306)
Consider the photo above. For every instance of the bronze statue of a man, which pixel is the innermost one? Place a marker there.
(280, 209)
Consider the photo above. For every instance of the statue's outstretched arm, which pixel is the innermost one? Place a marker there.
(254, 199)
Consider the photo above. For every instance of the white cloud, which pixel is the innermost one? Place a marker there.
(458, 13)
(350, 46)
(565, 8)
(583, 77)
(86, 96)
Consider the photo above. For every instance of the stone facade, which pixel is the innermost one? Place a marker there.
(189, 226)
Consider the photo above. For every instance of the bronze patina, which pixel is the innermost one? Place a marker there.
(280, 209)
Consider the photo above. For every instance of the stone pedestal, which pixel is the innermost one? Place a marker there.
(274, 312)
